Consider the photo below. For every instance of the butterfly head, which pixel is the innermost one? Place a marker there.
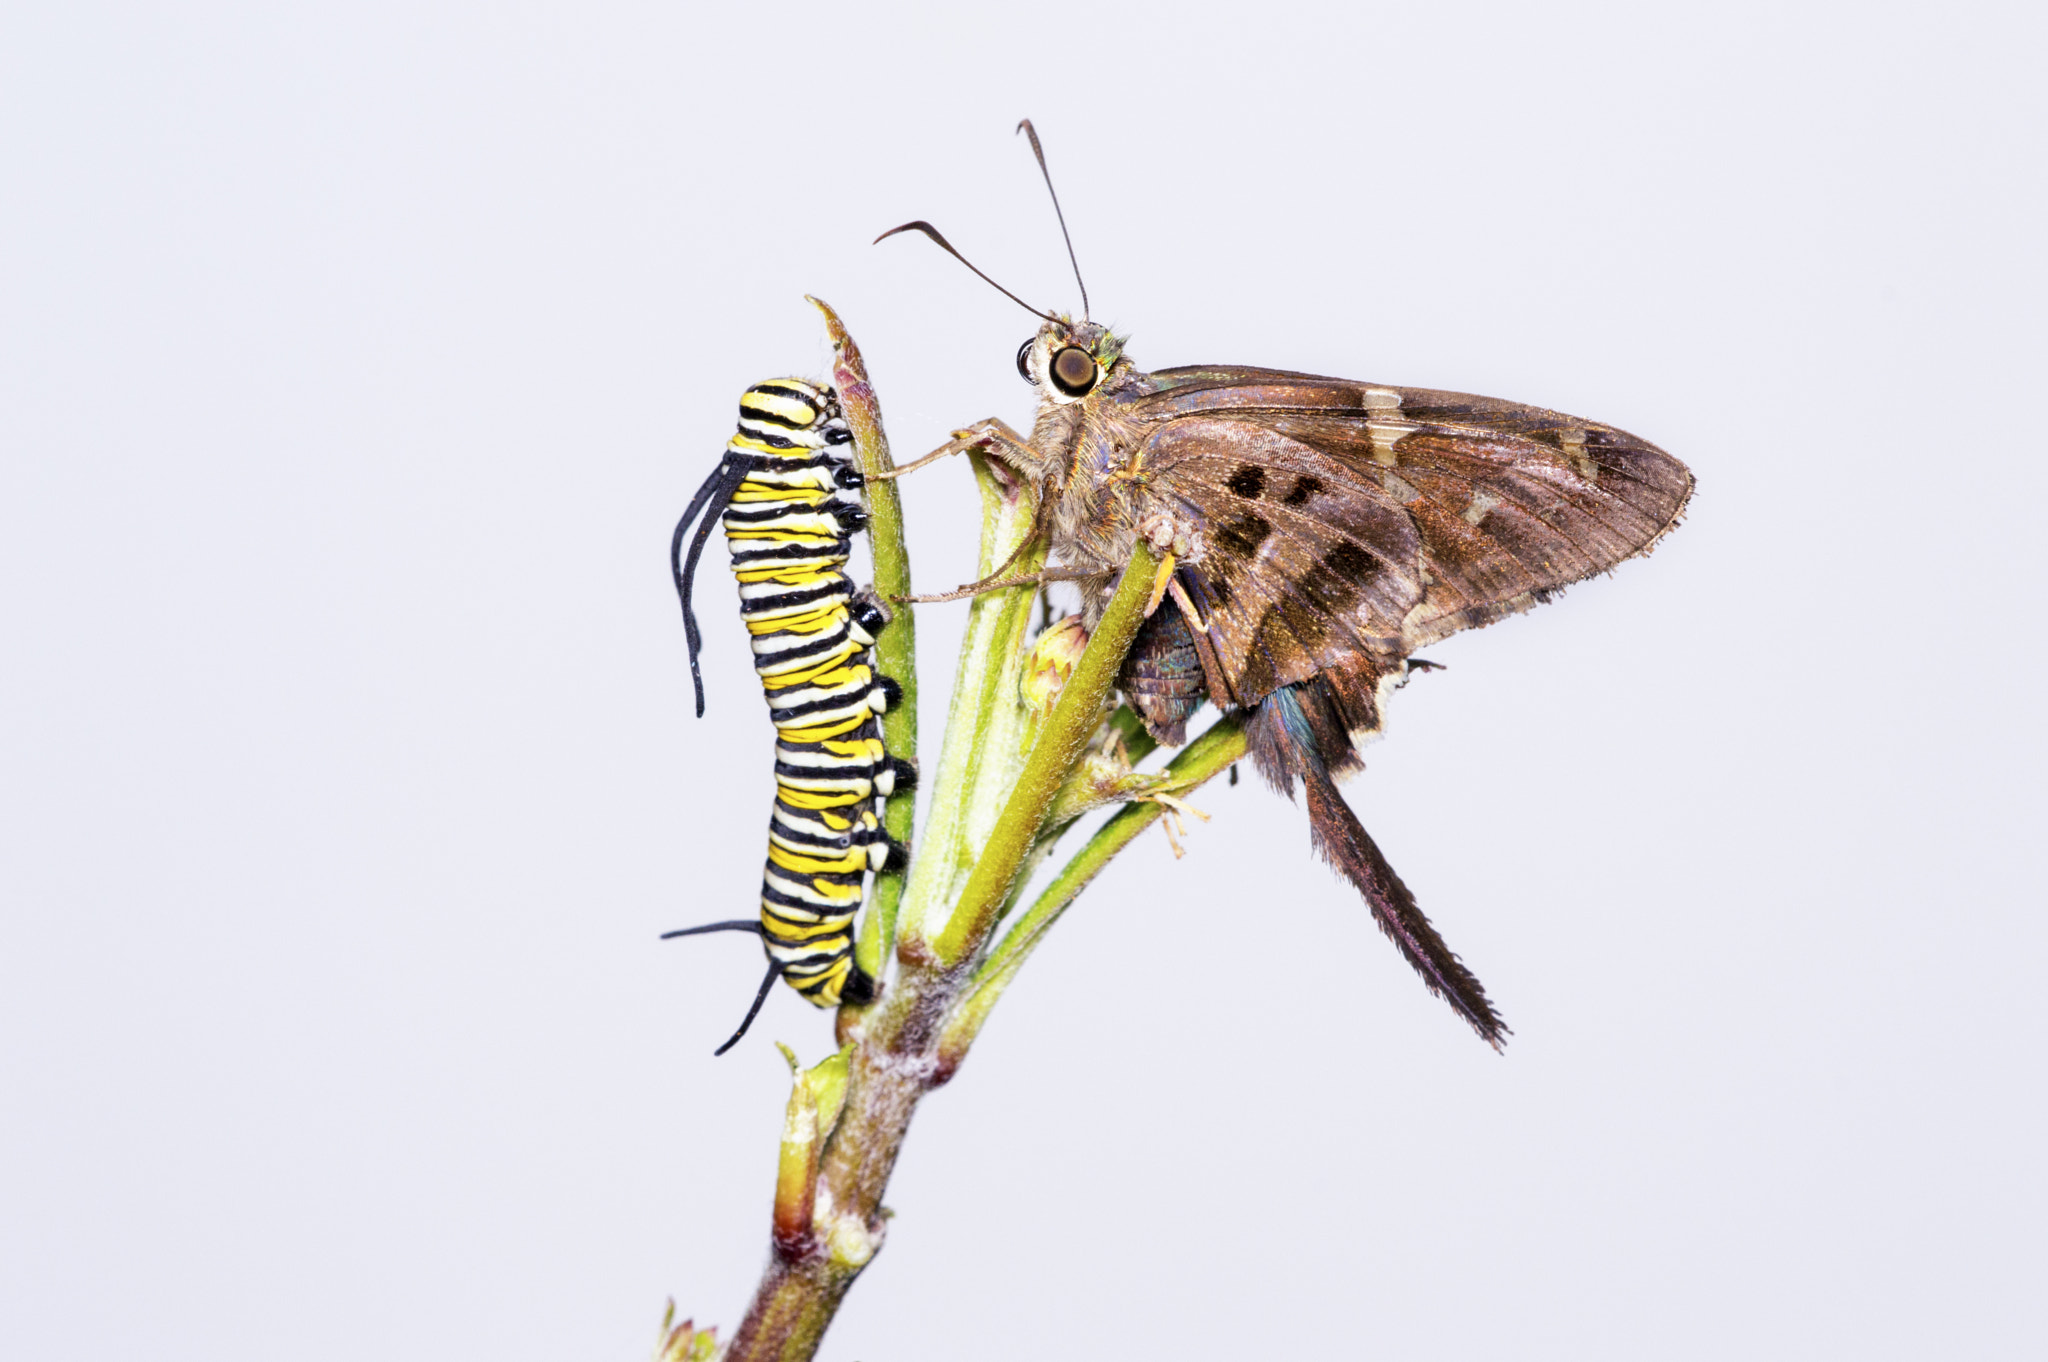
(1067, 360)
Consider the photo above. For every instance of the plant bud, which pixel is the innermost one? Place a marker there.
(1053, 659)
(684, 1342)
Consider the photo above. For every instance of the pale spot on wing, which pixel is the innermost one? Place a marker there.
(1482, 502)
(1381, 401)
(1385, 435)
(1383, 696)
(1574, 443)
(1399, 487)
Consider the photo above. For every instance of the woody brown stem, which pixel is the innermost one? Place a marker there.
(888, 1075)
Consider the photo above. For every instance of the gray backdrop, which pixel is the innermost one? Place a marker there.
(357, 361)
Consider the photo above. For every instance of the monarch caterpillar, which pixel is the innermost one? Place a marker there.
(777, 492)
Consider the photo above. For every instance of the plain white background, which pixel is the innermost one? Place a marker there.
(354, 364)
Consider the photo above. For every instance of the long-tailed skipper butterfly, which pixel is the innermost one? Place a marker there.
(1314, 533)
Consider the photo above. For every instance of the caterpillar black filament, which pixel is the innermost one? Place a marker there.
(777, 491)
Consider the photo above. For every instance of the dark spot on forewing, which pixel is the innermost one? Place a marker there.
(1242, 536)
(1326, 591)
(1351, 562)
(1282, 648)
(1310, 626)
(1336, 582)
(1257, 678)
(1290, 630)
(1304, 487)
(1248, 482)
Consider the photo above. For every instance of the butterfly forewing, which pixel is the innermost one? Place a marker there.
(1452, 510)
(1309, 562)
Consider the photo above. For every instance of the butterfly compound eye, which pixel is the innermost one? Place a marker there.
(1073, 371)
(1024, 359)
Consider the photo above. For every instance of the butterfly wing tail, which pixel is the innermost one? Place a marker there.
(1289, 741)
(1344, 843)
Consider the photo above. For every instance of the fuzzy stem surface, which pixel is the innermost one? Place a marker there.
(980, 752)
(1073, 721)
(1201, 760)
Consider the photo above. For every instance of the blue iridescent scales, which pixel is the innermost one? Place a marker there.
(778, 492)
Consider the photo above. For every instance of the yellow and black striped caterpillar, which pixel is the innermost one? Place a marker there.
(777, 491)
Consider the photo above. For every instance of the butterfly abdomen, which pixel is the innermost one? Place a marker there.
(1162, 675)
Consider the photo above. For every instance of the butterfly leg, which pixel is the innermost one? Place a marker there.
(988, 584)
(992, 434)
(995, 580)
(1180, 598)
(1171, 821)
(1160, 581)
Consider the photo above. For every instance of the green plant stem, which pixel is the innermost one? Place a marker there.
(982, 748)
(1138, 743)
(895, 1059)
(896, 648)
(1201, 760)
(989, 802)
(1066, 731)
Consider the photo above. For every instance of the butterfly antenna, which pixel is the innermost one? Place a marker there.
(1039, 151)
(947, 247)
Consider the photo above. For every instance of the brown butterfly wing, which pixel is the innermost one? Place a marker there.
(1500, 505)
(1309, 563)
